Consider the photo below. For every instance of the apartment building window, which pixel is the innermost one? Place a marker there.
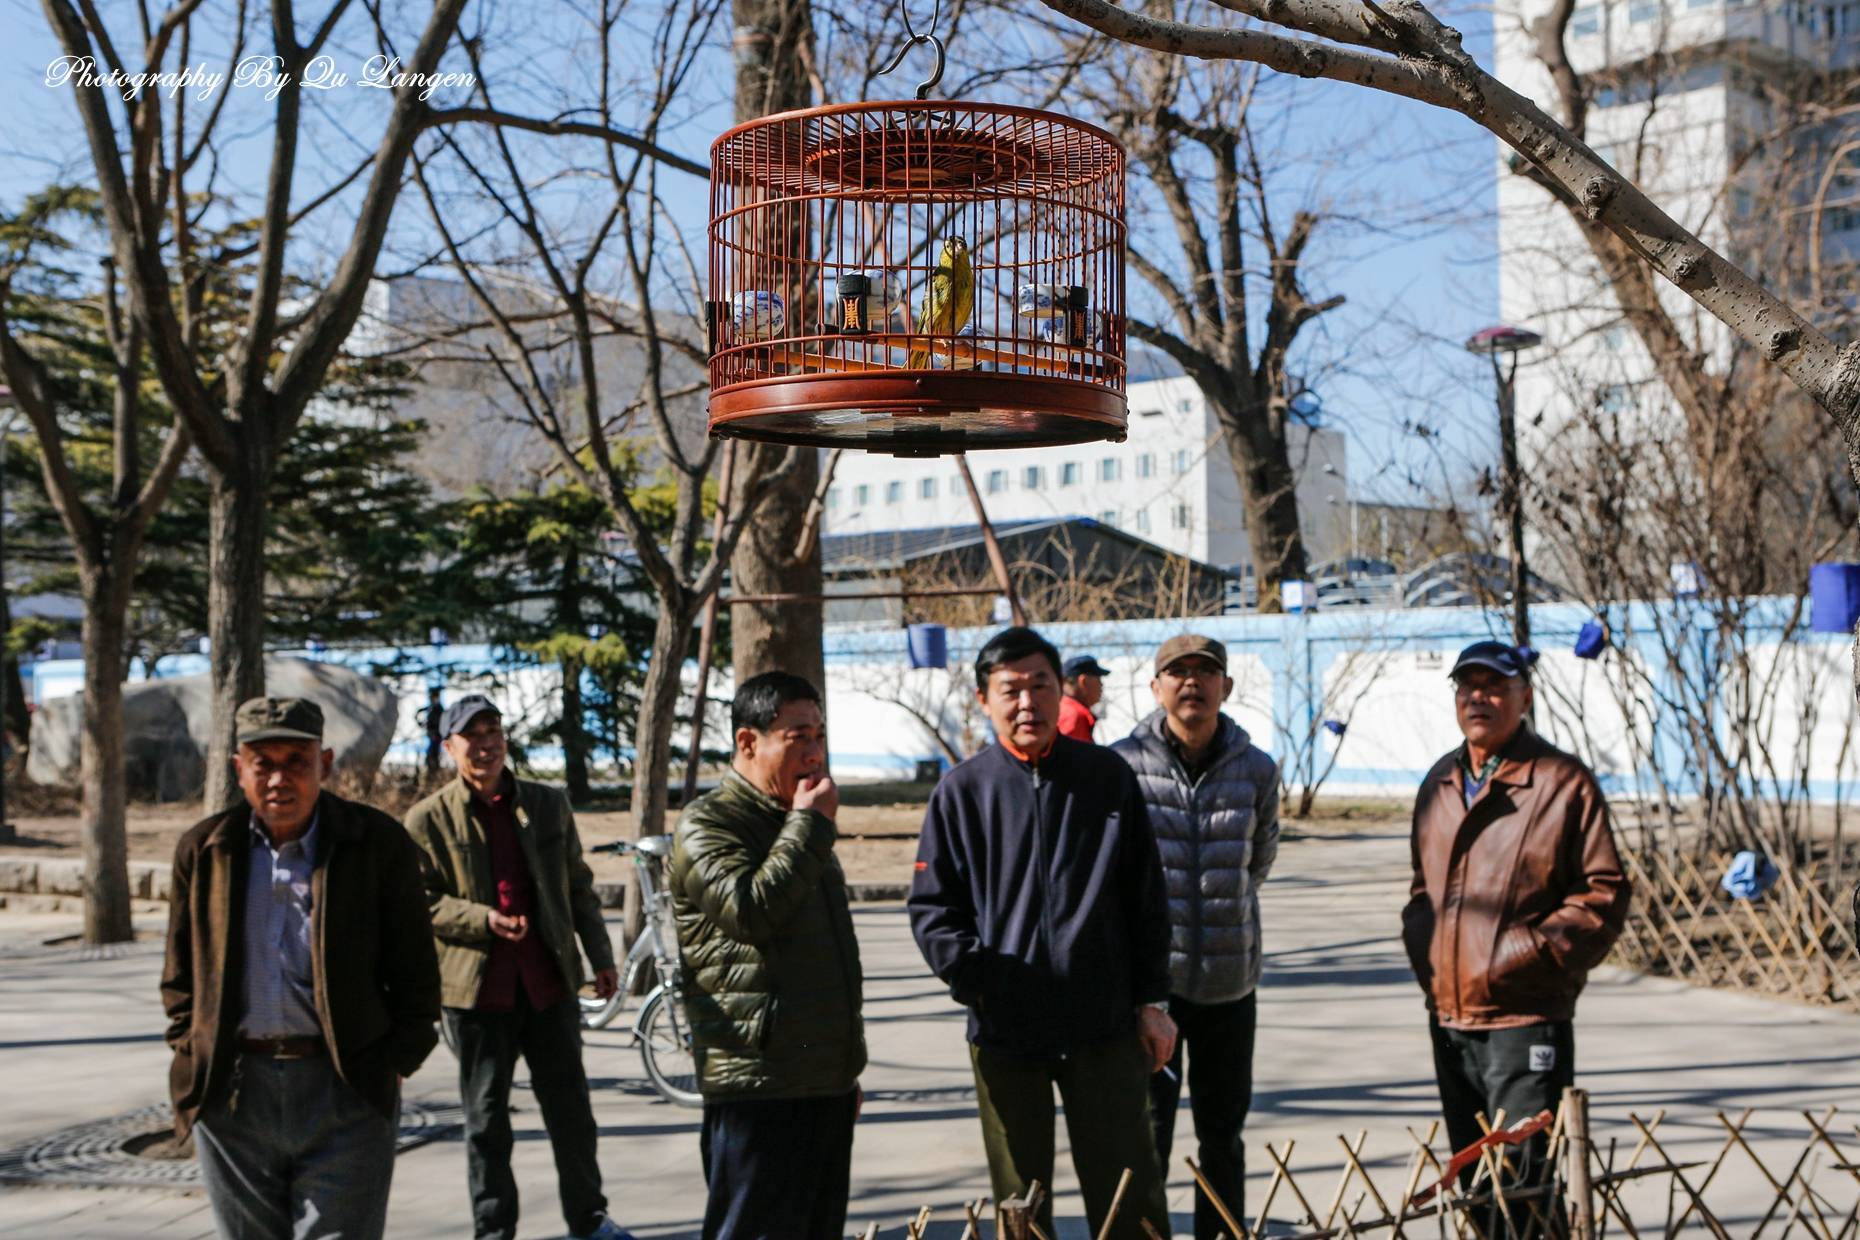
(997, 481)
(894, 492)
(1183, 517)
(1034, 479)
(1643, 11)
(926, 488)
(1108, 517)
(1110, 469)
(833, 498)
(862, 495)
(1185, 405)
(1146, 465)
(1588, 19)
(1069, 474)
(1143, 520)
(1181, 463)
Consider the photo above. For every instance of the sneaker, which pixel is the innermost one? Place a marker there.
(606, 1230)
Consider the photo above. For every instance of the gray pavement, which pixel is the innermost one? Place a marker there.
(1342, 1047)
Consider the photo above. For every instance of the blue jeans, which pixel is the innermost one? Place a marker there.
(295, 1154)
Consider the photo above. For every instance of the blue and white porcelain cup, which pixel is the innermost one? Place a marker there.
(757, 314)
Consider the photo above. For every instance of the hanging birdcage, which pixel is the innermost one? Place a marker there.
(917, 277)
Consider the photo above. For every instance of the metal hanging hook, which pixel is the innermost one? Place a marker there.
(936, 14)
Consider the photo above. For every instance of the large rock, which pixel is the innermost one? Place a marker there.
(166, 724)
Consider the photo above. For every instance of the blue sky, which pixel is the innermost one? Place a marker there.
(1412, 244)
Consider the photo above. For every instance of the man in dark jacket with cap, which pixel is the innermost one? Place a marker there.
(509, 894)
(1517, 893)
(300, 988)
(1039, 899)
(1213, 800)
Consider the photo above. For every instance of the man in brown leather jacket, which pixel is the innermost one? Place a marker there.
(1517, 894)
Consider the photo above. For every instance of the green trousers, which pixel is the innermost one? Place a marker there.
(1105, 1088)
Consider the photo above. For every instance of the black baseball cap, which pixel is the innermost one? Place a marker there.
(1082, 665)
(1504, 659)
(278, 719)
(459, 715)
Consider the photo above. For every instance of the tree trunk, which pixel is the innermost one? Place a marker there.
(573, 731)
(100, 757)
(1262, 461)
(785, 637)
(235, 615)
(774, 47)
(652, 736)
(574, 737)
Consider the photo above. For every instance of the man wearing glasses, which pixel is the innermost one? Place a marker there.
(1213, 800)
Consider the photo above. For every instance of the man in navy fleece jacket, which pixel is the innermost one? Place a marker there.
(1039, 898)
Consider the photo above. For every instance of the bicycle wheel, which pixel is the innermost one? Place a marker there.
(665, 1046)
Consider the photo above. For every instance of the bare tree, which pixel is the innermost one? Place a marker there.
(581, 296)
(1188, 130)
(106, 531)
(1401, 48)
(776, 71)
(159, 170)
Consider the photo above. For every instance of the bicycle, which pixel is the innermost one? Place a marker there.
(660, 1029)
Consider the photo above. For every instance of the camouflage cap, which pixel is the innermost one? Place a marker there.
(1189, 645)
(278, 719)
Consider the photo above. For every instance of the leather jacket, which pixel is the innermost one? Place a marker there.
(1515, 898)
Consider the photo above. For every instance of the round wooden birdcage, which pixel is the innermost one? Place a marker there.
(917, 277)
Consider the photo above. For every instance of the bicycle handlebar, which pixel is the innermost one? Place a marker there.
(619, 848)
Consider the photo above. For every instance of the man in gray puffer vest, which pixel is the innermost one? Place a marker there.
(1213, 800)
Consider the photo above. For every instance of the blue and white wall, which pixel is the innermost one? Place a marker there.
(1382, 674)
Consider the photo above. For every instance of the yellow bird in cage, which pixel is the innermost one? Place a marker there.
(948, 301)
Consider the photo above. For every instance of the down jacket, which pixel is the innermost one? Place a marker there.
(771, 968)
(1217, 837)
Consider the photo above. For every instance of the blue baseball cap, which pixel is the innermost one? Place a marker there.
(1504, 659)
(1082, 665)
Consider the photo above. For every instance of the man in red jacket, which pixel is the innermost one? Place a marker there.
(1084, 680)
(1517, 894)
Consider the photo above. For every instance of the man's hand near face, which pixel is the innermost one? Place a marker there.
(820, 794)
(1157, 1034)
(507, 927)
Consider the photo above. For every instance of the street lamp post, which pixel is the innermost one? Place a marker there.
(1508, 342)
(8, 407)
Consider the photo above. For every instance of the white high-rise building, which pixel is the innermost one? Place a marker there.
(1170, 483)
(1687, 98)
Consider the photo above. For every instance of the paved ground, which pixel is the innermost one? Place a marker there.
(1342, 1047)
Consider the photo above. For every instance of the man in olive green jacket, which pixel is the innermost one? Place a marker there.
(509, 894)
(772, 980)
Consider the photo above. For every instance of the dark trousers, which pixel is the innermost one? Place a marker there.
(1105, 1090)
(1517, 1071)
(777, 1168)
(549, 1040)
(295, 1154)
(1218, 1041)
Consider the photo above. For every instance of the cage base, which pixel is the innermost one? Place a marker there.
(918, 412)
